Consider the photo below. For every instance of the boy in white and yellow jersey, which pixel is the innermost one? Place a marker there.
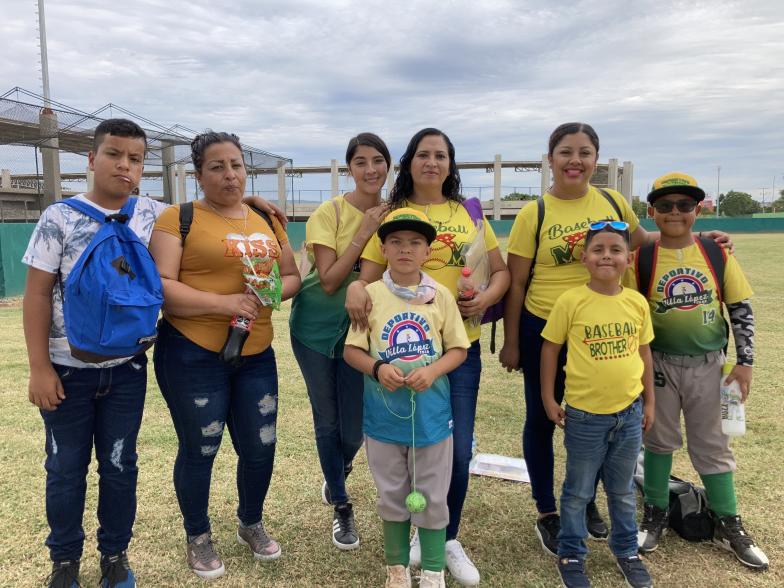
(607, 329)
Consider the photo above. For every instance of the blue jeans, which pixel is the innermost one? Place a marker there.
(610, 443)
(335, 390)
(464, 390)
(102, 407)
(538, 429)
(204, 394)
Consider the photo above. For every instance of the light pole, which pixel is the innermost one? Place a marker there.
(718, 192)
(44, 56)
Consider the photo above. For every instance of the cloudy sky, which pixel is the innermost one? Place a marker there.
(669, 85)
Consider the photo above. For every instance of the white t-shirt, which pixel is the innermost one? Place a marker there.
(57, 242)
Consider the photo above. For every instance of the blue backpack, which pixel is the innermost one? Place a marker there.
(113, 294)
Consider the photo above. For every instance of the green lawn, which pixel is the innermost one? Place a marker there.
(498, 518)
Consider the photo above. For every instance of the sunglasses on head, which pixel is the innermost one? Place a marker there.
(665, 206)
(612, 224)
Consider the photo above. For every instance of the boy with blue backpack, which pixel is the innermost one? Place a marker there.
(90, 306)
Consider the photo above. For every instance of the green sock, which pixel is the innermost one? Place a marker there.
(721, 493)
(396, 542)
(656, 485)
(433, 544)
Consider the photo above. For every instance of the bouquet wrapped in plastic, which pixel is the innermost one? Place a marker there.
(262, 276)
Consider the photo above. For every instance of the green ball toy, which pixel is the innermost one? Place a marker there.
(416, 502)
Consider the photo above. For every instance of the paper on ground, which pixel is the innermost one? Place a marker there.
(499, 466)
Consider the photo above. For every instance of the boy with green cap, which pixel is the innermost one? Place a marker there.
(415, 338)
(686, 279)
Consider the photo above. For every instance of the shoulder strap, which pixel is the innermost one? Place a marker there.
(644, 265)
(539, 223)
(613, 203)
(126, 212)
(716, 258)
(266, 218)
(336, 206)
(186, 219)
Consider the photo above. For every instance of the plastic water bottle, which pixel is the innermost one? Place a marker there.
(733, 413)
(239, 330)
(465, 285)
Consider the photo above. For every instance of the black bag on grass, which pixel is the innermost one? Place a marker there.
(689, 515)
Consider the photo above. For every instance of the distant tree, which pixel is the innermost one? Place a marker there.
(778, 205)
(738, 204)
(519, 196)
(639, 207)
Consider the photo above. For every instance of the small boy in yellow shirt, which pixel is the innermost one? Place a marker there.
(608, 369)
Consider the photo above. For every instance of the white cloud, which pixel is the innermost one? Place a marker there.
(667, 84)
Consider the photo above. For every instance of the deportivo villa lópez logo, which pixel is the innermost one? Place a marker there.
(683, 289)
(406, 338)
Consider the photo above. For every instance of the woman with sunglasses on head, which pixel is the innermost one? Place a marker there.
(336, 233)
(202, 268)
(429, 181)
(547, 253)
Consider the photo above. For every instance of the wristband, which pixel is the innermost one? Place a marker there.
(357, 245)
(376, 367)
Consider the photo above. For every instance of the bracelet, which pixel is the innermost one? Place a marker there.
(376, 367)
(357, 245)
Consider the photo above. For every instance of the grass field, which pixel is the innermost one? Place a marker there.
(498, 519)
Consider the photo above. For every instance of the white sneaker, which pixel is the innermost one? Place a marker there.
(460, 566)
(415, 551)
(398, 577)
(430, 579)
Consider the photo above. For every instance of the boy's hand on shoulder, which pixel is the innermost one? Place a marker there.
(555, 413)
(421, 378)
(45, 389)
(648, 416)
(741, 374)
(390, 377)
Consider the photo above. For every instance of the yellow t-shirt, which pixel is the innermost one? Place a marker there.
(322, 226)
(603, 334)
(685, 310)
(558, 265)
(211, 262)
(455, 231)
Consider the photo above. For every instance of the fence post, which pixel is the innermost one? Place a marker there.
(497, 188)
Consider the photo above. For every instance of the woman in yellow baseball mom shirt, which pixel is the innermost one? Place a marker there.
(429, 181)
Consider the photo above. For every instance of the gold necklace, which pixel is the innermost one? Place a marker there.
(244, 230)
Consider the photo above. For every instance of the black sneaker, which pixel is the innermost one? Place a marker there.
(116, 571)
(729, 533)
(653, 527)
(344, 531)
(572, 572)
(597, 528)
(634, 572)
(65, 574)
(547, 529)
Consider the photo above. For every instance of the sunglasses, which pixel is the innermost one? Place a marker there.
(612, 224)
(665, 206)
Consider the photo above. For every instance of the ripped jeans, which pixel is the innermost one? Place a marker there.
(204, 395)
(102, 406)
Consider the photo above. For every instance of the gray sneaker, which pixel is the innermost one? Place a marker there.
(262, 545)
(203, 559)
